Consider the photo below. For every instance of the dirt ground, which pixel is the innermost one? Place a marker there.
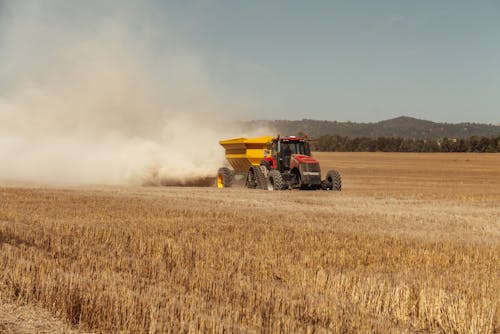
(411, 244)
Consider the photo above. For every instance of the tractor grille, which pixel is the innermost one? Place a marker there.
(310, 168)
(310, 174)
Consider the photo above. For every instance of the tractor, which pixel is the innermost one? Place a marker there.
(274, 163)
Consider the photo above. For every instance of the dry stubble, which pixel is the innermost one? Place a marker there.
(411, 244)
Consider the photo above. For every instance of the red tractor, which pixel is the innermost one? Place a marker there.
(289, 165)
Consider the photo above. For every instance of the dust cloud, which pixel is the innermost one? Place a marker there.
(91, 94)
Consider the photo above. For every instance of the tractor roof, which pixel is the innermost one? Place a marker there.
(292, 138)
(246, 142)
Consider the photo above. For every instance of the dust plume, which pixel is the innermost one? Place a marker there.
(91, 94)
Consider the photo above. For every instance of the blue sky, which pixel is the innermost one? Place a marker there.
(338, 60)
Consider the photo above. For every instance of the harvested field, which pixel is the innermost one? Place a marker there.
(411, 244)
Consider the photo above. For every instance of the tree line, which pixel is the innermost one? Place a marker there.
(335, 143)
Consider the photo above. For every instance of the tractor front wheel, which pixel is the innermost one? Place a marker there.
(333, 181)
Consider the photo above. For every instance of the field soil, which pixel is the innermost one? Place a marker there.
(411, 244)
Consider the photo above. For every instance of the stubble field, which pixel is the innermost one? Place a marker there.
(411, 244)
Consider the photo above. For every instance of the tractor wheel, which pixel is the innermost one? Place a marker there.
(266, 185)
(276, 180)
(261, 179)
(264, 170)
(333, 180)
(224, 177)
(256, 179)
(251, 181)
(266, 164)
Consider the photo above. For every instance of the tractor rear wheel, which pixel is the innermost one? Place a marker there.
(251, 181)
(256, 179)
(276, 180)
(224, 177)
(333, 180)
(261, 179)
(266, 185)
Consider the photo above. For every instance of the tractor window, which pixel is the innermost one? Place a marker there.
(307, 149)
(296, 147)
(288, 149)
(275, 147)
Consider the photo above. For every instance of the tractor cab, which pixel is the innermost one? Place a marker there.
(280, 151)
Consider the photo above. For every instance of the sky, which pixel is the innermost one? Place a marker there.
(357, 61)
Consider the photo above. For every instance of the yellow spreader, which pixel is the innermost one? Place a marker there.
(241, 153)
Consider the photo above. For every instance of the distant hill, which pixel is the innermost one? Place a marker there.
(404, 127)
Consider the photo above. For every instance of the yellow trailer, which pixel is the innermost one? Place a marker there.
(245, 156)
(242, 153)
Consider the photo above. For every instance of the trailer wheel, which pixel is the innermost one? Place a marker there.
(333, 180)
(276, 180)
(224, 177)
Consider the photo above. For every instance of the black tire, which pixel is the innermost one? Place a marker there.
(256, 179)
(266, 185)
(261, 179)
(333, 180)
(251, 181)
(266, 164)
(224, 177)
(276, 180)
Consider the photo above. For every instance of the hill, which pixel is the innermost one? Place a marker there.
(404, 127)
